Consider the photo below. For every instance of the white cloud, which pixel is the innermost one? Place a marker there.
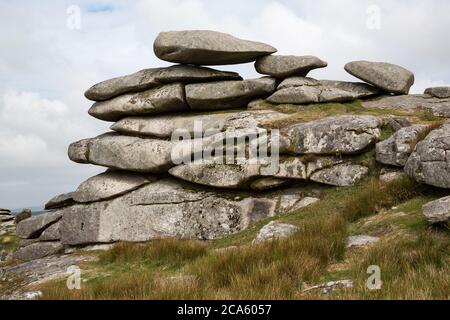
(45, 67)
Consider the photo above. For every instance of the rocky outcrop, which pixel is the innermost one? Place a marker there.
(193, 156)
(438, 92)
(280, 66)
(155, 77)
(437, 211)
(274, 231)
(386, 76)
(202, 47)
(430, 161)
(396, 150)
(165, 209)
(300, 90)
(333, 135)
(169, 98)
(228, 94)
(411, 104)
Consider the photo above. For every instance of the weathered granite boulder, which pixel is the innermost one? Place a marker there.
(124, 153)
(202, 47)
(333, 135)
(60, 201)
(23, 215)
(386, 76)
(169, 98)
(411, 104)
(164, 126)
(280, 66)
(152, 78)
(4, 211)
(6, 218)
(110, 184)
(438, 92)
(228, 94)
(396, 150)
(430, 161)
(33, 227)
(301, 90)
(38, 250)
(437, 211)
(169, 208)
(341, 175)
(275, 230)
(244, 175)
(388, 175)
(52, 233)
(360, 241)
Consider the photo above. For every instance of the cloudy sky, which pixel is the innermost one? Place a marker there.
(47, 62)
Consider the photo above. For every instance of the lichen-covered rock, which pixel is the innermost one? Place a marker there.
(411, 104)
(341, 175)
(38, 250)
(34, 226)
(155, 77)
(275, 230)
(386, 76)
(126, 153)
(228, 94)
(430, 161)
(203, 47)
(300, 90)
(168, 209)
(388, 175)
(360, 241)
(396, 150)
(60, 201)
(109, 185)
(79, 151)
(169, 98)
(333, 135)
(52, 233)
(438, 92)
(163, 126)
(244, 175)
(286, 66)
(437, 211)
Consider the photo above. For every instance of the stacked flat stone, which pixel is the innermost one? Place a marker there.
(146, 193)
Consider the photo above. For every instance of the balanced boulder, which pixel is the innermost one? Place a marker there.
(155, 77)
(386, 76)
(430, 161)
(396, 150)
(203, 47)
(169, 98)
(228, 94)
(286, 66)
(438, 92)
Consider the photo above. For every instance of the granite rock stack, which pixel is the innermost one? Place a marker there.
(149, 192)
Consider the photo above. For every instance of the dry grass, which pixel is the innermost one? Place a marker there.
(174, 269)
(426, 131)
